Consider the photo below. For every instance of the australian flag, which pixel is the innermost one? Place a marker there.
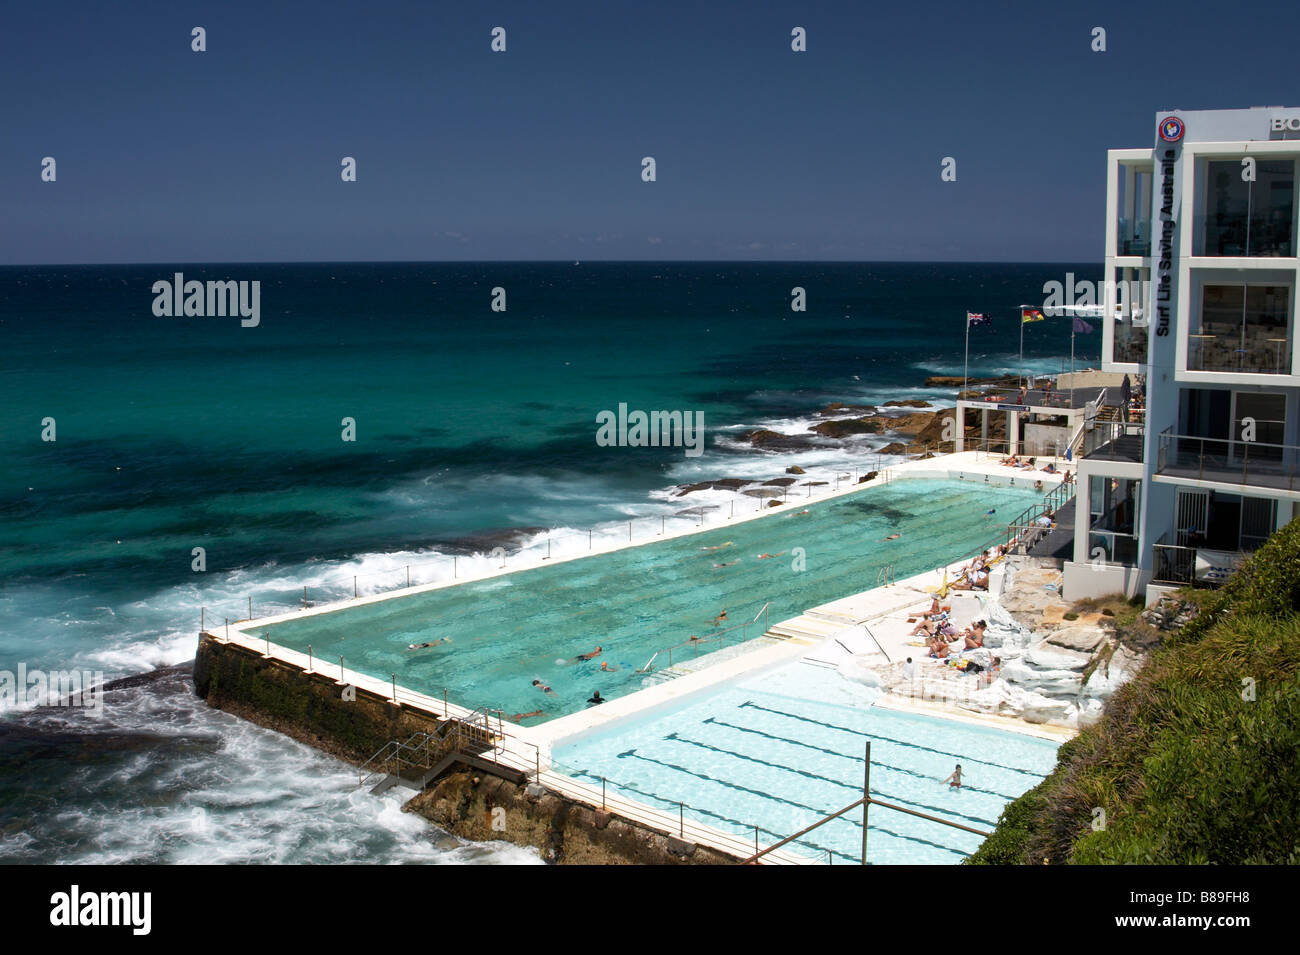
(975, 319)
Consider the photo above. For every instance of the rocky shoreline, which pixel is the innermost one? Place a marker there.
(913, 425)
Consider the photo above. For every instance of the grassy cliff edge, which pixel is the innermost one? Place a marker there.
(1197, 759)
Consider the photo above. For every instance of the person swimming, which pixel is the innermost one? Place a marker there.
(730, 563)
(543, 687)
(891, 537)
(718, 546)
(595, 699)
(425, 646)
(516, 717)
(583, 657)
(720, 618)
(954, 781)
(606, 668)
(770, 556)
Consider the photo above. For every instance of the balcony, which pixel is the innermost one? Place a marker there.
(1223, 461)
(1115, 441)
(1264, 234)
(1191, 565)
(1134, 237)
(1259, 350)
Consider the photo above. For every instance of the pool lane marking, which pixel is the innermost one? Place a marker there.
(852, 787)
(832, 752)
(806, 842)
(874, 736)
(778, 799)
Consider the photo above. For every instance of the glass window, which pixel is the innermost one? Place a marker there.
(1244, 218)
(1243, 328)
(1129, 311)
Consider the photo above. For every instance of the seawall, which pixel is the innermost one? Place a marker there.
(314, 709)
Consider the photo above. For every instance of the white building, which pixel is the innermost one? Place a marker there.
(1205, 222)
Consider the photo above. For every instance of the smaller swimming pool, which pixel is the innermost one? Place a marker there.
(784, 748)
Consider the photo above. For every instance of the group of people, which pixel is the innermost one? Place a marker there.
(1015, 461)
(940, 633)
(975, 575)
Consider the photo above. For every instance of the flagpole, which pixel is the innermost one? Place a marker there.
(1071, 361)
(1020, 370)
(965, 369)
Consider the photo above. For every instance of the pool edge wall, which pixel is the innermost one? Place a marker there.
(311, 708)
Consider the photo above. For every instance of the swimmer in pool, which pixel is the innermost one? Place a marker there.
(583, 657)
(425, 646)
(891, 537)
(770, 556)
(954, 781)
(720, 618)
(606, 668)
(718, 546)
(516, 717)
(543, 687)
(730, 563)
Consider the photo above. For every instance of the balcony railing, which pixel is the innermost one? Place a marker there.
(1226, 461)
(1134, 237)
(1178, 565)
(1115, 441)
(1264, 350)
(1265, 233)
(1112, 547)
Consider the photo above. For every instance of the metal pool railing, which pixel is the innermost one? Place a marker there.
(448, 568)
(865, 802)
(718, 636)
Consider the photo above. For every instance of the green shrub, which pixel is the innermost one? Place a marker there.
(1188, 769)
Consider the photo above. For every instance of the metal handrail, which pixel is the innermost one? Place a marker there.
(717, 636)
(866, 800)
(1269, 465)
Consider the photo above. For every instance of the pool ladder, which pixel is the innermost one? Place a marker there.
(885, 576)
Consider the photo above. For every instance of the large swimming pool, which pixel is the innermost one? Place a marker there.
(782, 749)
(507, 631)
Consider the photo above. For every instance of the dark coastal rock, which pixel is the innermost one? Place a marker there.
(845, 427)
(839, 408)
(775, 441)
(893, 447)
(761, 492)
(913, 424)
(795, 469)
(484, 542)
(779, 482)
(775, 503)
(956, 381)
(907, 403)
(725, 484)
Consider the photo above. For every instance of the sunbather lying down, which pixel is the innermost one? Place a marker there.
(975, 580)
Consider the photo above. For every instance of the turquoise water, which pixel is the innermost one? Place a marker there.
(783, 749)
(508, 631)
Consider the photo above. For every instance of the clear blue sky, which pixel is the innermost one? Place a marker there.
(233, 155)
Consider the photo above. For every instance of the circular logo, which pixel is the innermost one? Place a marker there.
(1171, 129)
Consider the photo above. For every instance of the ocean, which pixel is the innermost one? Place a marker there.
(472, 428)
